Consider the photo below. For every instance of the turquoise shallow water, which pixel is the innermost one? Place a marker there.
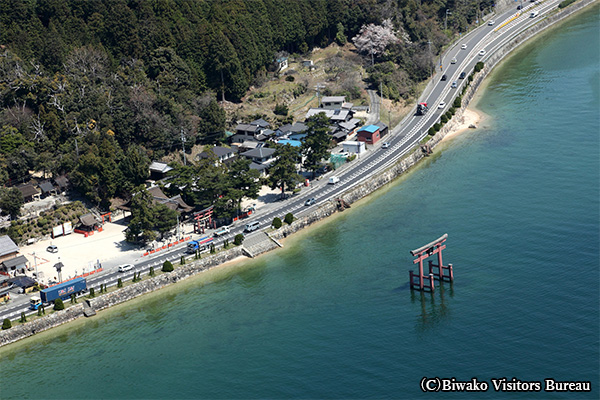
(331, 316)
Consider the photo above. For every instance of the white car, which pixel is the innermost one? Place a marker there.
(453, 61)
(464, 47)
(491, 22)
(385, 145)
(482, 53)
(442, 105)
(125, 267)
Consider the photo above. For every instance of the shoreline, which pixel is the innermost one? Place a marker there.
(231, 259)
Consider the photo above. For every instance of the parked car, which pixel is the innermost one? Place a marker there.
(464, 47)
(52, 249)
(385, 145)
(310, 201)
(125, 267)
(482, 53)
(444, 77)
(442, 105)
(453, 61)
(462, 75)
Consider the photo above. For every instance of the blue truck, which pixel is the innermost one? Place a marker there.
(200, 244)
(62, 290)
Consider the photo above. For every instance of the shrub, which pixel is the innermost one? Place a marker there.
(212, 248)
(565, 3)
(444, 119)
(6, 324)
(431, 131)
(92, 292)
(478, 66)
(151, 272)
(351, 158)
(276, 223)
(39, 311)
(289, 218)
(182, 261)
(238, 239)
(448, 115)
(452, 110)
(73, 298)
(281, 109)
(119, 283)
(23, 317)
(457, 102)
(437, 126)
(167, 266)
(290, 78)
(226, 243)
(59, 305)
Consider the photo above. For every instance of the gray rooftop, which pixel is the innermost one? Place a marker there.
(160, 167)
(260, 152)
(13, 262)
(7, 246)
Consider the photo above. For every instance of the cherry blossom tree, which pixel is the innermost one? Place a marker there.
(373, 39)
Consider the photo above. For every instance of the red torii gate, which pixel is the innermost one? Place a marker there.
(424, 252)
(203, 219)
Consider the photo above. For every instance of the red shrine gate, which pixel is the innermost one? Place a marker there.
(424, 252)
(203, 220)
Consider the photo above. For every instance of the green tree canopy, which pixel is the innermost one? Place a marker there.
(283, 172)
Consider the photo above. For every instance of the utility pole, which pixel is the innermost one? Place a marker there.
(430, 56)
(37, 278)
(183, 146)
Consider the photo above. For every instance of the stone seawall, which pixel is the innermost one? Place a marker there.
(21, 331)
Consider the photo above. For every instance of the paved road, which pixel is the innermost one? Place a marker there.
(402, 138)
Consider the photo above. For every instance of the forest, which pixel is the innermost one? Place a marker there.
(98, 89)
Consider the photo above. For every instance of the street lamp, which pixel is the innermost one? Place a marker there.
(446, 20)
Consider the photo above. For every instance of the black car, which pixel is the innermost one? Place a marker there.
(444, 77)
(462, 75)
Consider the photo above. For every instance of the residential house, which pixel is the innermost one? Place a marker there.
(353, 147)
(223, 154)
(333, 102)
(369, 134)
(26, 283)
(261, 123)
(295, 131)
(383, 128)
(260, 155)
(281, 63)
(15, 265)
(8, 248)
(158, 170)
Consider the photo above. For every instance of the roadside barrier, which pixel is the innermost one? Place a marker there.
(166, 246)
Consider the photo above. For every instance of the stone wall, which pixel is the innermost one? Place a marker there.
(193, 267)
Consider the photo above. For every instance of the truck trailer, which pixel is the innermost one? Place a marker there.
(62, 290)
(422, 108)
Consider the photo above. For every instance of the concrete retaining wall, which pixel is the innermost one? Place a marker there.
(129, 292)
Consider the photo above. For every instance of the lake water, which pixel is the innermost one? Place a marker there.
(331, 315)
